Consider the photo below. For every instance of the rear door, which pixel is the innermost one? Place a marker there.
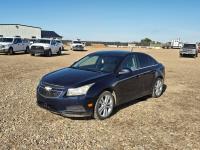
(20, 45)
(16, 44)
(128, 86)
(53, 45)
(147, 72)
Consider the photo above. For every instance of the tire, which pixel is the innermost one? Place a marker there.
(27, 50)
(157, 88)
(180, 55)
(59, 52)
(104, 106)
(49, 53)
(32, 54)
(10, 51)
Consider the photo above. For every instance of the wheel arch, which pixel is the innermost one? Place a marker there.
(112, 91)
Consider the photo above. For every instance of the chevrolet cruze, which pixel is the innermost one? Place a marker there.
(97, 83)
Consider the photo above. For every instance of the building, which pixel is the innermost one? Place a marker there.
(24, 31)
(50, 34)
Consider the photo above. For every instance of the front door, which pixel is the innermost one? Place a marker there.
(128, 85)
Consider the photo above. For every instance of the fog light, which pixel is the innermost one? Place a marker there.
(90, 105)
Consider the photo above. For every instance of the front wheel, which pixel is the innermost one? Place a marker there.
(10, 51)
(59, 52)
(49, 53)
(27, 50)
(104, 106)
(158, 88)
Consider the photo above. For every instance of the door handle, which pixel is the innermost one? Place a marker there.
(137, 76)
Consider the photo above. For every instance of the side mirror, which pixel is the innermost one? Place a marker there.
(124, 71)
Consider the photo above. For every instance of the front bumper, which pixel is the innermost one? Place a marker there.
(66, 106)
(3, 50)
(188, 52)
(39, 51)
(78, 48)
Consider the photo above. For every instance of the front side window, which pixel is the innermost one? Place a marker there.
(16, 41)
(97, 63)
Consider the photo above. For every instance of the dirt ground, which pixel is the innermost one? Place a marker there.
(169, 122)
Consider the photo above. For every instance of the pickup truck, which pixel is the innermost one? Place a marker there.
(45, 47)
(189, 49)
(10, 45)
(77, 45)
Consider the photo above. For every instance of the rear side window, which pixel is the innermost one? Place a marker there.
(130, 63)
(145, 60)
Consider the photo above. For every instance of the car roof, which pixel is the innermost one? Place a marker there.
(112, 52)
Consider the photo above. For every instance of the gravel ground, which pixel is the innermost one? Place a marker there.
(169, 122)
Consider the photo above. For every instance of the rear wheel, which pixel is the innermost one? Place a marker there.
(158, 88)
(10, 51)
(104, 106)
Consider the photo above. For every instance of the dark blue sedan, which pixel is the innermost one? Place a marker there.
(95, 84)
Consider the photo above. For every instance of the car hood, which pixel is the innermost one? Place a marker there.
(40, 44)
(5, 43)
(69, 77)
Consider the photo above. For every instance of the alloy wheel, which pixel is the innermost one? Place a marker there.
(158, 88)
(105, 106)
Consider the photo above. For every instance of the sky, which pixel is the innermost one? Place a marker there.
(109, 20)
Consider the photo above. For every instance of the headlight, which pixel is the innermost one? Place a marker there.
(46, 47)
(5, 46)
(79, 91)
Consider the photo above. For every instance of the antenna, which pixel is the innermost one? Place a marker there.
(131, 49)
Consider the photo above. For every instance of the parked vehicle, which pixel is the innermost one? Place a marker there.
(199, 48)
(77, 45)
(45, 47)
(189, 49)
(174, 44)
(60, 44)
(97, 83)
(10, 45)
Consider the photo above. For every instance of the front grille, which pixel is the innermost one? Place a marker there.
(79, 46)
(37, 47)
(53, 93)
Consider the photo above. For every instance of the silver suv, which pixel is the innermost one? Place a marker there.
(189, 49)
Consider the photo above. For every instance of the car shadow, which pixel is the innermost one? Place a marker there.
(16, 53)
(122, 106)
(53, 55)
(85, 50)
(145, 98)
(188, 56)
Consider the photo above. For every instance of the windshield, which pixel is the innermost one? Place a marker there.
(192, 46)
(7, 40)
(76, 42)
(98, 63)
(43, 41)
(58, 41)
